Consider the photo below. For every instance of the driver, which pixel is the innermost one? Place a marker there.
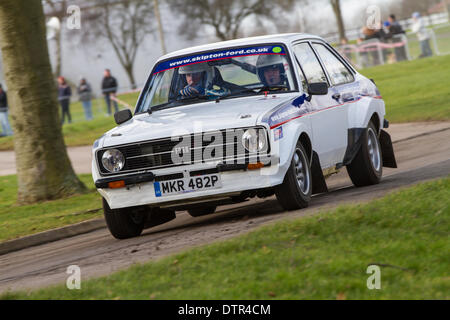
(195, 75)
(270, 70)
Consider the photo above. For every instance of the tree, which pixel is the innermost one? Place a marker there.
(122, 23)
(336, 5)
(225, 17)
(44, 171)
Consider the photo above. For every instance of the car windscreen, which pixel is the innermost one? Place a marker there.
(215, 75)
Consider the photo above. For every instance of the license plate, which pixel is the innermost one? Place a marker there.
(192, 184)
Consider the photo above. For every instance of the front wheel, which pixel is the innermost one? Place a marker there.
(124, 223)
(367, 167)
(295, 191)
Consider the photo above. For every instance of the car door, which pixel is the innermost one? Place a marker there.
(341, 90)
(328, 121)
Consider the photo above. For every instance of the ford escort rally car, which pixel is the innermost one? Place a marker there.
(220, 123)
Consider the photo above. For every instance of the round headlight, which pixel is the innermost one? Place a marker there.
(254, 140)
(113, 160)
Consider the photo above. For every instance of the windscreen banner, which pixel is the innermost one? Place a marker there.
(218, 55)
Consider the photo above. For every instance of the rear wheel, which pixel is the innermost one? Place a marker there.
(295, 191)
(367, 166)
(198, 212)
(124, 223)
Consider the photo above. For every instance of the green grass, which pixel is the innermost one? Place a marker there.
(414, 90)
(320, 257)
(17, 221)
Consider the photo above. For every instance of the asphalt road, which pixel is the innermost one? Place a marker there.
(97, 253)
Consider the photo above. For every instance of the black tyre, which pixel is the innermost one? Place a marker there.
(295, 191)
(198, 212)
(367, 166)
(124, 223)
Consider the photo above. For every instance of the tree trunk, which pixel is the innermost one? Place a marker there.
(129, 70)
(58, 54)
(340, 21)
(44, 170)
(160, 26)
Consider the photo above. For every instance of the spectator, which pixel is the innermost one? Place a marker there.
(109, 89)
(6, 127)
(395, 26)
(64, 93)
(85, 94)
(422, 34)
(394, 30)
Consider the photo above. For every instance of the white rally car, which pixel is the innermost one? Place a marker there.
(220, 123)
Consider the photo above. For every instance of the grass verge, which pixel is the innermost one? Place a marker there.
(18, 221)
(320, 257)
(414, 90)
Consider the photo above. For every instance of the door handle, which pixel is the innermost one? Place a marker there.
(336, 96)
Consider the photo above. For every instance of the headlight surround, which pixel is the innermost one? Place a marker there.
(113, 160)
(254, 140)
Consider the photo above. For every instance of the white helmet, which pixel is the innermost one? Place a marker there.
(270, 61)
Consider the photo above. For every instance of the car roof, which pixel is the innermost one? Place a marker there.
(285, 38)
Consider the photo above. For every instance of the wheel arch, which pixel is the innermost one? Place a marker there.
(306, 143)
(366, 110)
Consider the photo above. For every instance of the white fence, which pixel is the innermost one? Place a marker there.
(355, 33)
(399, 48)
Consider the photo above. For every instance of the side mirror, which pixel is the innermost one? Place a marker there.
(319, 88)
(122, 116)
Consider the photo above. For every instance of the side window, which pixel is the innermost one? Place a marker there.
(338, 72)
(310, 65)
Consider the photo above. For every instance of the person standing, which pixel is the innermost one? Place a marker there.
(422, 34)
(6, 127)
(84, 91)
(109, 89)
(64, 94)
(395, 29)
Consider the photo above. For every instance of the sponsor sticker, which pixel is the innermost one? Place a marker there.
(278, 133)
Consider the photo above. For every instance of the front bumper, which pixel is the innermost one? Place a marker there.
(233, 182)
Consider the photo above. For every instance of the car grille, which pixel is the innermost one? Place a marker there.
(157, 154)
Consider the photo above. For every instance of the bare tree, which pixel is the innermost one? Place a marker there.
(225, 17)
(124, 24)
(44, 170)
(336, 5)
